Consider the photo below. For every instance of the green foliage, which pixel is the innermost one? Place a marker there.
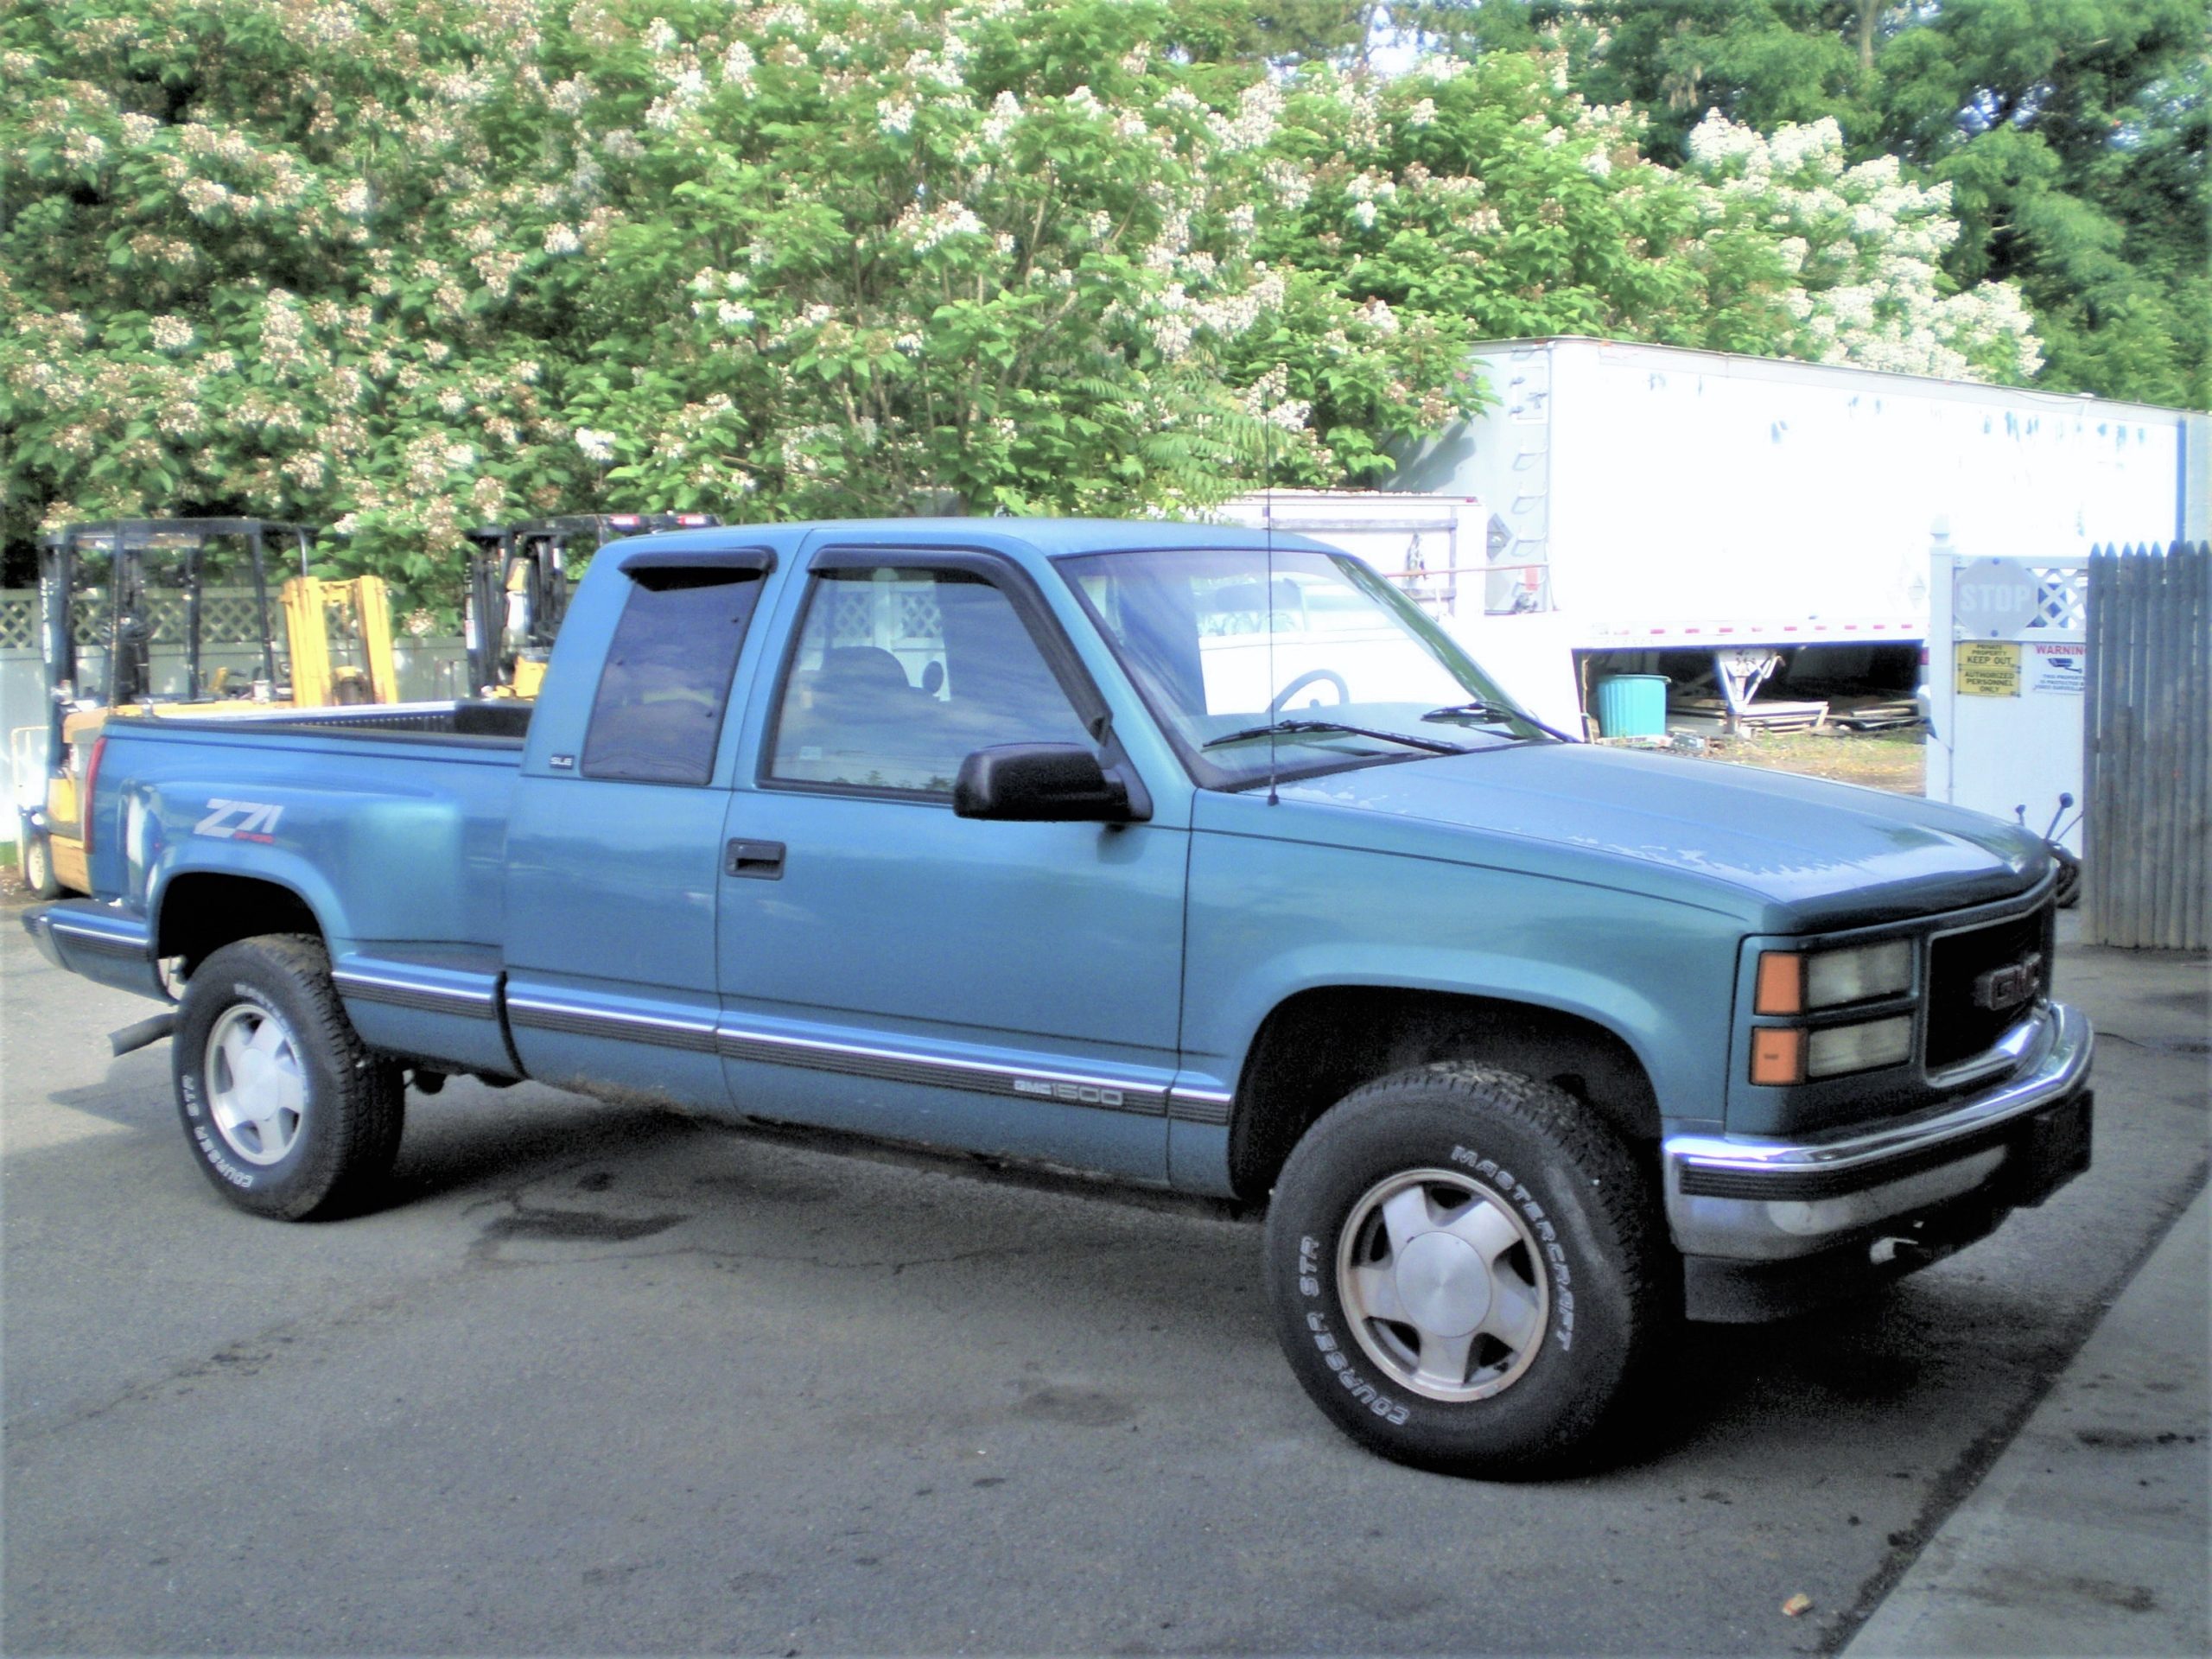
(1280, 31)
(2072, 132)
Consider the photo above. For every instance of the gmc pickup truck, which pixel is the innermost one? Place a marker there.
(1179, 855)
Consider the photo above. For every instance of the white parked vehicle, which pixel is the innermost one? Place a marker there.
(1619, 501)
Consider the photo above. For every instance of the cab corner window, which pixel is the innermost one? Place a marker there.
(659, 711)
(900, 673)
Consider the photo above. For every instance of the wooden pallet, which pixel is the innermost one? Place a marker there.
(1764, 716)
(1878, 716)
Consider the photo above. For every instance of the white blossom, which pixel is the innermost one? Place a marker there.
(1006, 110)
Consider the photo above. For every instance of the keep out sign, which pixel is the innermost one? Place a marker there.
(1988, 668)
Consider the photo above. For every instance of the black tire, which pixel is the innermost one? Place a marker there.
(334, 1109)
(1560, 1256)
(38, 866)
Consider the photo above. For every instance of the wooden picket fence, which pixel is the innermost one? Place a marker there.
(2147, 740)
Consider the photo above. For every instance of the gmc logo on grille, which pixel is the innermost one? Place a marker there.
(2008, 986)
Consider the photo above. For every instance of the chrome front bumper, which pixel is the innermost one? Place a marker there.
(1760, 1200)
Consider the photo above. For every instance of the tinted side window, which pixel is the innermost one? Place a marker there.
(665, 686)
(900, 673)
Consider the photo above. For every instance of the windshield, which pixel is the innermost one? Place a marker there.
(1310, 654)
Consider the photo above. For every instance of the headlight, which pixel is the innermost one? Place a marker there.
(1858, 1048)
(1787, 1054)
(1789, 982)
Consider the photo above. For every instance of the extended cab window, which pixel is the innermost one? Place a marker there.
(659, 712)
(900, 673)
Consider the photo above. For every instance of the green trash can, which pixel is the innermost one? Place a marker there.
(1632, 705)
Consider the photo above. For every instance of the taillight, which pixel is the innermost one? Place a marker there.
(91, 777)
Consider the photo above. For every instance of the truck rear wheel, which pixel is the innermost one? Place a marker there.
(1467, 1272)
(284, 1110)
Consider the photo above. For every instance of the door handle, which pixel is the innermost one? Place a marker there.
(762, 860)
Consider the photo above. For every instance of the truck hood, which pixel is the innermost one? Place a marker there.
(1804, 853)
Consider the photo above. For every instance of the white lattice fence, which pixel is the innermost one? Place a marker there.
(227, 616)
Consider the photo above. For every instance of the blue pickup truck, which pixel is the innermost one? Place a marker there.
(1177, 855)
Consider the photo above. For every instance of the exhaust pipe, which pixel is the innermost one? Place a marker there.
(131, 1038)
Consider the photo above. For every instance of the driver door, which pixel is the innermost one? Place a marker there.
(889, 968)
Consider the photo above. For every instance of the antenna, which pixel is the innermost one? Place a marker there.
(1268, 592)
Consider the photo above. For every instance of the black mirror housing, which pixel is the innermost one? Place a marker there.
(1040, 783)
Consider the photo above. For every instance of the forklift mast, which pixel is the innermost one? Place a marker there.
(518, 586)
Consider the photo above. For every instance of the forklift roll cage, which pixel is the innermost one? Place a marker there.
(126, 628)
(530, 560)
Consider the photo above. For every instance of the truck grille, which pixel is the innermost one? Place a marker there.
(1966, 975)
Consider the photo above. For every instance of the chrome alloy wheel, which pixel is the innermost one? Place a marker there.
(256, 1092)
(1443, 1284)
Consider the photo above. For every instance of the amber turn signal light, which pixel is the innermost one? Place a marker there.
(1781, 983)
(1777, 1054)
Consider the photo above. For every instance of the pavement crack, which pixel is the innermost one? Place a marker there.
(245, 1357)
(2189, 1045)
(898, 1265)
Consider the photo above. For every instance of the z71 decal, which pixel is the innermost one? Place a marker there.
(239, 821)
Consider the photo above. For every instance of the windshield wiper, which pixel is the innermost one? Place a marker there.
(1477, 708)
(1292, 728)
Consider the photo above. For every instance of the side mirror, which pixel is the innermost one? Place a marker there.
(1040, 783)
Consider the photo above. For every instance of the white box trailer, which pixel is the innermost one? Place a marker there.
(1649, 499)
(1450, 553)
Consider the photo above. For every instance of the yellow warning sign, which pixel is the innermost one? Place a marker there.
(1988, 668)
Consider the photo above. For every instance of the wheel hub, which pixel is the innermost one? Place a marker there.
(257, 1091)
(1444, 1284)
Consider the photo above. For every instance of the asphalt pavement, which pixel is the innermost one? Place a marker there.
(604, 1379)
(2089, 1535)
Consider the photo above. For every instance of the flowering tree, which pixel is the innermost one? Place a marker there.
(2072, 132)
(408, 265)
(1851, 255)
(1003, 256)
(1489, 197)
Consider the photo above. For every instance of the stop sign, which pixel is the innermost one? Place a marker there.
(1995, 599)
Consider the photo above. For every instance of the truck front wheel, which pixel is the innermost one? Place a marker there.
(284, 1110)
(1466, 1271)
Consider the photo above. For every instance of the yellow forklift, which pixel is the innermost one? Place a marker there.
(169, 617)
(519, 578)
